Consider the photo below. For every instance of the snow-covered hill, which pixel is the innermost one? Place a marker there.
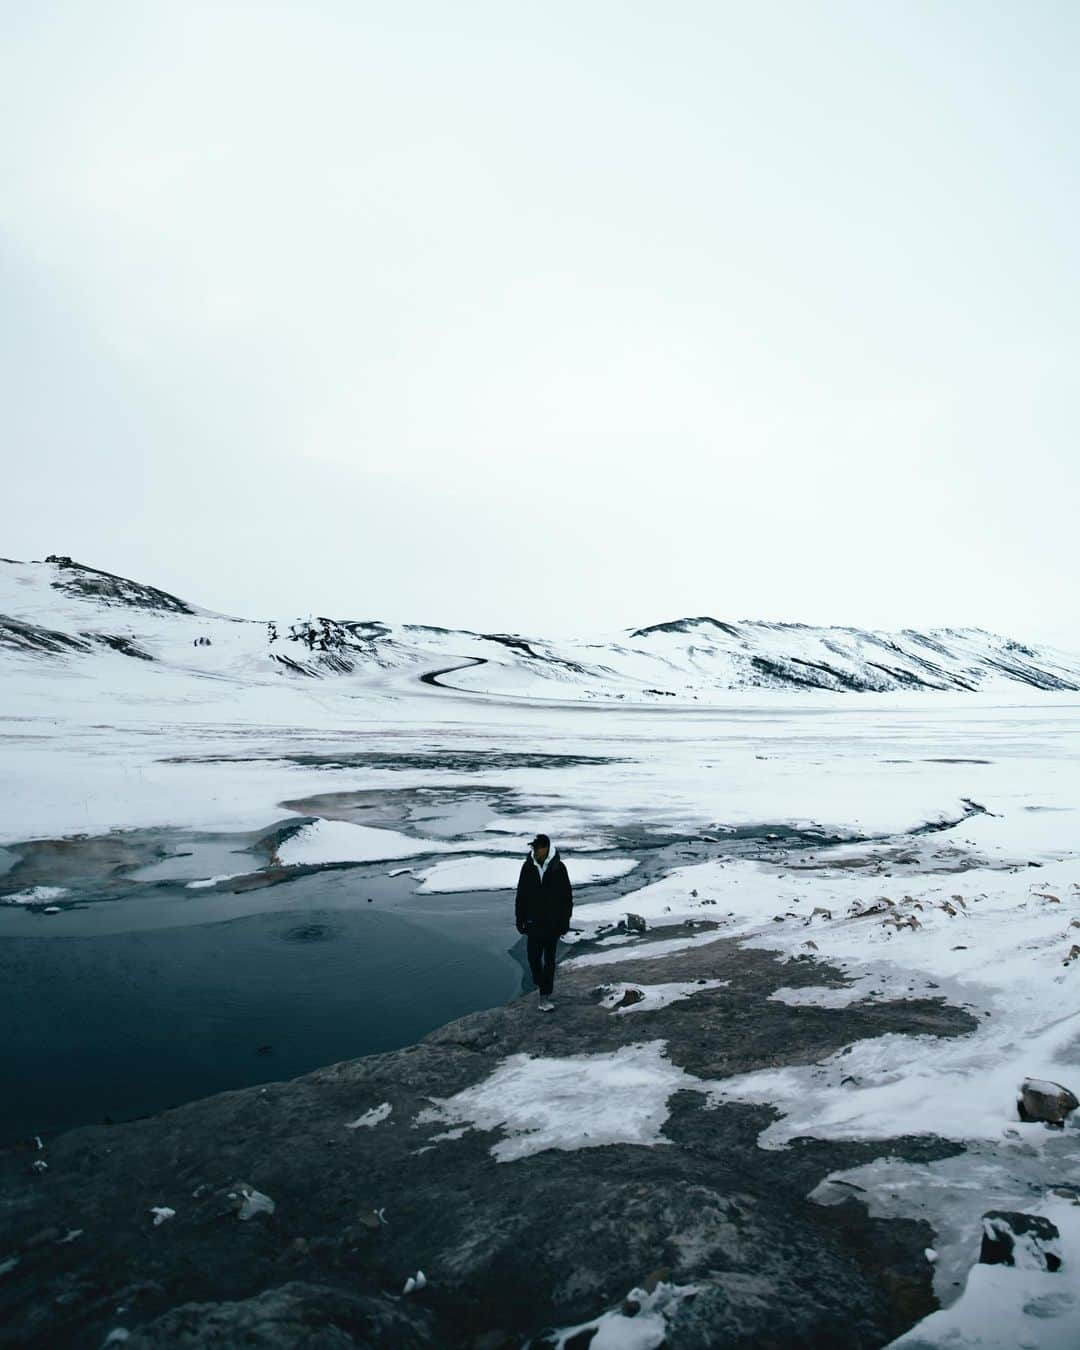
(60, 611)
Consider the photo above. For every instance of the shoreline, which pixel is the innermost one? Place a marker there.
(481, 1228)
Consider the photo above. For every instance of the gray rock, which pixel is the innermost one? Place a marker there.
(1043, 1100)
(635, 923)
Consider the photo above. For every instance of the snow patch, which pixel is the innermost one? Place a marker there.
(370, 1118)
(204, 882)
(645, 951)
(580, 1101)
(656, 995)
(335, 841)
(1005, 1307)
(639, 1323)
(35, 895)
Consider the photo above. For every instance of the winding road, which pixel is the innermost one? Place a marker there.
(432, 676)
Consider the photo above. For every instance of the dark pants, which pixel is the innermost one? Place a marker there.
(540, 946)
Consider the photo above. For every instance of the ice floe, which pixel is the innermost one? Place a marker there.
(499, 874)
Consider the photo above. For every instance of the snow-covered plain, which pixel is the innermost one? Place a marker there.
(983, 911)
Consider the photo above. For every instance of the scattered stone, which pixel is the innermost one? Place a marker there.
(630, 997)
(245, 1201)
(253, 1203)
(1074, 952)
(1042, 1100)
(1029, 1241)
(880, 906)
(635, 923)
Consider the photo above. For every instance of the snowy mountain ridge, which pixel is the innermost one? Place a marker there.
(62, 611)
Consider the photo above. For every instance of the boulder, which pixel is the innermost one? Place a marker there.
(1042, 1100)
(635, 923)
(1010, 1238)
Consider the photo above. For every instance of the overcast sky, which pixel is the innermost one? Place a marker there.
(549, 316)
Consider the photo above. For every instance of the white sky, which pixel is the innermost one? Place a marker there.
(548, 316)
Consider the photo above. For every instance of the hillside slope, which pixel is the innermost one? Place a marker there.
(64, 613)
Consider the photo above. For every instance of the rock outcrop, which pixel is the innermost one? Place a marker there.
(716, 1231)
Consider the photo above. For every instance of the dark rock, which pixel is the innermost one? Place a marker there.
(1010, 1238)
(1043, 1100)
(635, 923)
(510, 1249)
(293, 1317)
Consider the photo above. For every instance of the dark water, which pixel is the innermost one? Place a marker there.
(141, 994)
(126, 1024)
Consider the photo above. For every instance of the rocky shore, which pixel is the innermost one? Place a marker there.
(617, 1203)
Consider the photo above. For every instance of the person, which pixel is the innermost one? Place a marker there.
(542, 908)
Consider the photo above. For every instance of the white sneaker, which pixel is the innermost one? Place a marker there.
(546, 1005)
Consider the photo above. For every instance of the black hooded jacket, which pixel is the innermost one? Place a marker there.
(548, 904)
